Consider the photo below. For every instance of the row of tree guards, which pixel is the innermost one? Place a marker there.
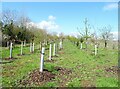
(42, 48)
(95, 47)
(55, 50)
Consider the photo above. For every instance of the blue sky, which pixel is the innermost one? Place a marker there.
(68, 16)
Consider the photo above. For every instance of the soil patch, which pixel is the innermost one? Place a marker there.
(63, 70)
(49, 60)
(113, 69)
(13, 58)
(38, 78)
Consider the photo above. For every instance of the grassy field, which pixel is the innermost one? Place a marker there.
(86, 69)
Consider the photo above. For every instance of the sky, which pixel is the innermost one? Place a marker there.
(67, 16)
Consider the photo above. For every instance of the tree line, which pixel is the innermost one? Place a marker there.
(16, 29)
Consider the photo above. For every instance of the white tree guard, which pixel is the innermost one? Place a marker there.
(11, 50)
(54, 49)
(33, 47)
(81, 46)
(42, 59)
(22, 48)
(95, 49)
(60, 45)
(50, 51)
(30, 47)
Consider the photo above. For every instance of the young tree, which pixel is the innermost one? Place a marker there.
(106, 34)
(86, 33)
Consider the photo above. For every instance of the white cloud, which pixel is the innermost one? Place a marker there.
(49, 24)
(115, 35)
(110, 6)
(75, 34)
(51, 18)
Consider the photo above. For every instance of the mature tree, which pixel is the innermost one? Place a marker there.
(9, 31)
(40, 35)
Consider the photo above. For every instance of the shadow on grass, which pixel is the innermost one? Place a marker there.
(8, 60)
(5, 62)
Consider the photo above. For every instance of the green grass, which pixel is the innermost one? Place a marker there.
(87, 69)
(105, 82)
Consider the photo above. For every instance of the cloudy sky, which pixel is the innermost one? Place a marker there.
(67, 16)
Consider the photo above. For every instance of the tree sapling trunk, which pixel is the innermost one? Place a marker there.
(105, 44)
(8, 44)
(24, 42)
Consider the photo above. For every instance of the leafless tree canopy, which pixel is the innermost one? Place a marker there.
(8, 16)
